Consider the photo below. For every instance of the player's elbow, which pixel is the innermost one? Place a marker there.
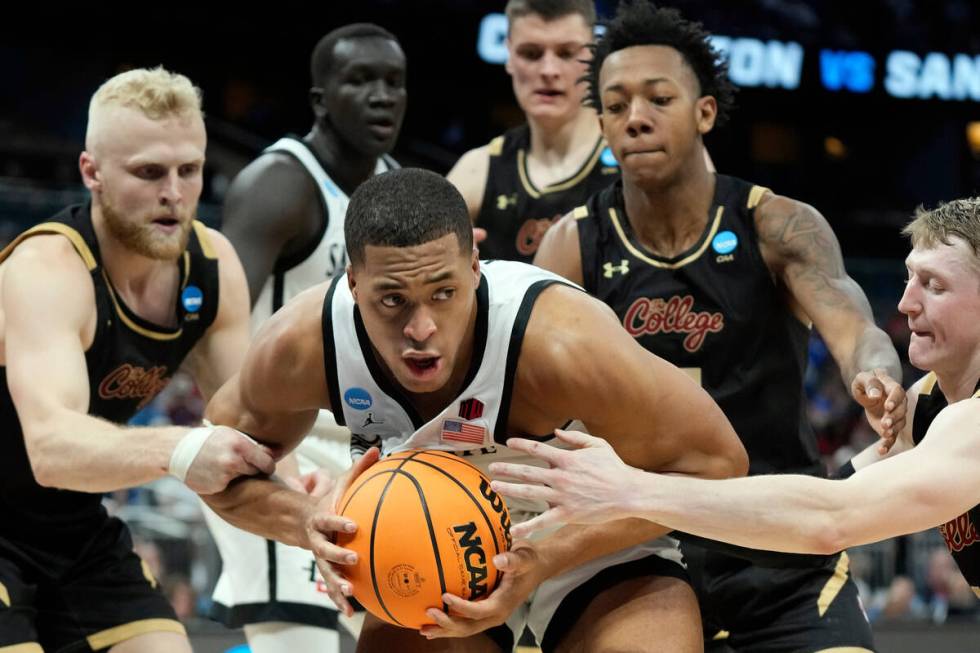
(730, 460)
(829, 534)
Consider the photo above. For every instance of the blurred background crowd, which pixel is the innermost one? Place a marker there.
(863, 109)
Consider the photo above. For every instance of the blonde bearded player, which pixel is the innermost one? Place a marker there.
(98, 308)
(284, 214)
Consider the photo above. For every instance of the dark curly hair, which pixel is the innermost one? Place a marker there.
(639, 22)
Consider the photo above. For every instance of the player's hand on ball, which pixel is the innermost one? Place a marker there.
(586, 484)
(521, 567)
(883, 399)
(323, 523)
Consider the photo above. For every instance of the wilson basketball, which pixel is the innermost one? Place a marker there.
(428, 523)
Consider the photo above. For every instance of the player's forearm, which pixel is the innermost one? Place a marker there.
(266, 507)
(791, 513)
(577, 544)
(873, 350)
(87, 454)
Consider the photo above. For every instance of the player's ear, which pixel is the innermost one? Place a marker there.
(351, 282)
(316, 102)
(706, 110)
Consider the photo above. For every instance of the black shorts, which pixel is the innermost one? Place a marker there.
(805, 609)
(103, 596)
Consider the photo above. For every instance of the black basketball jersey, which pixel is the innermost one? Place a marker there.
(129, 362)
(961, 533)
(516, 213)
(716, 311)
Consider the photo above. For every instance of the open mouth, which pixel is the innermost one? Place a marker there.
(549, 93)
(167, 223)
(382, 126)
(422, 363)
(422, 366)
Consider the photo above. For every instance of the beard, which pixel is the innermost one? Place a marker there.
(141, 237)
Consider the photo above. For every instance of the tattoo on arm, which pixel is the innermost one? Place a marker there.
(805, 251)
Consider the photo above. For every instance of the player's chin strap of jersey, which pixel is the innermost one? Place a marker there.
(189, 446)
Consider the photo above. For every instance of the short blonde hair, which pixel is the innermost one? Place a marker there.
(959, 218)
(157, 93)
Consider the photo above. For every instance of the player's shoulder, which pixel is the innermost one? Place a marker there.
(565, 320)
(52, 255)
(274, 173)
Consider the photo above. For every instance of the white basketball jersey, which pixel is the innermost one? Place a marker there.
(377, 412)
(325, 259)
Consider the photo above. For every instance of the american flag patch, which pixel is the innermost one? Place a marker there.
(462, 432)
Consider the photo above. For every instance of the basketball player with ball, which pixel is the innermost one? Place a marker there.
(421, 346)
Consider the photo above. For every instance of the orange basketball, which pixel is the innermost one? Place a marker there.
(427, 523)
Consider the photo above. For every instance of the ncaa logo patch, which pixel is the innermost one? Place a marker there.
(192, 298)
(607, 159)
(358, 398)
(725, 242)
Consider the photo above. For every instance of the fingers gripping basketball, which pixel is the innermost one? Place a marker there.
(428, 523)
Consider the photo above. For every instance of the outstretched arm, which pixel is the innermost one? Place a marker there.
(915, 490)
(802, 252)
(49, 312)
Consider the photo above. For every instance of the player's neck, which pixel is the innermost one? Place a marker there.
(552, 143)
(960, 383)
(670, 219)
(349, 168)
(146, 285)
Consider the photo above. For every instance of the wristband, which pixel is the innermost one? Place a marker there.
(187, 449)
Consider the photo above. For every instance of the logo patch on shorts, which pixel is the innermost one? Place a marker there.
(358, 398)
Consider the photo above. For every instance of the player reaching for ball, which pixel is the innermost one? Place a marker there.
(422, 346)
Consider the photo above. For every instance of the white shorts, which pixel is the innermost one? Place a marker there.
(262, 580)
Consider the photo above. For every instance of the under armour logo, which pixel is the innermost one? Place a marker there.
(370, 420)
(503, 201)
(608, 268)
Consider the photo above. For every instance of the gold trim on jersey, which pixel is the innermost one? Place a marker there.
(562, 185)
(187, 269)
(976, 590)
(833, 586)
(22, 648)
(496, 146)
(112, 636)
(660, 264)
(580, 212)
(143, 331)
(720, 635)
(55, 228)
(202, 237)
(4, 595)
(928, 384)
(147, 574)
(755, 196)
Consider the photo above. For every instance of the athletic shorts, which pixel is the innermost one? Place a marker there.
(555, 606)
(104, 596)
(804, 609)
